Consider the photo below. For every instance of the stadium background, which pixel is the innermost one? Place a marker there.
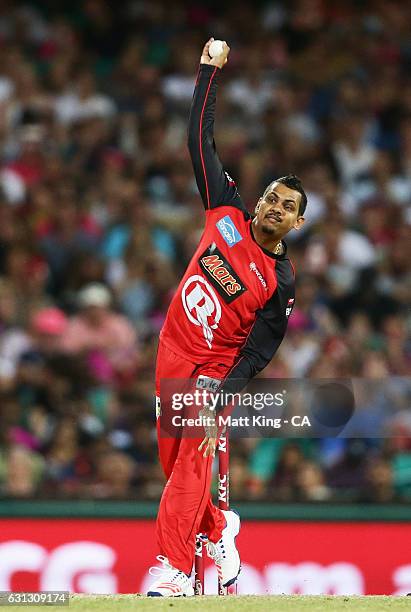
(96, 187)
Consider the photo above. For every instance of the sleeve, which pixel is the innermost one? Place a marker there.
(262, 342)
(216, 187)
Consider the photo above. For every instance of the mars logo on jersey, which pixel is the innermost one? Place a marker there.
(228, 230)
(222, 276)
(201, 305)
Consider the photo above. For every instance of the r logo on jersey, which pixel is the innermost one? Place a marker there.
(290, 305)
(201, 305)
(228, 230)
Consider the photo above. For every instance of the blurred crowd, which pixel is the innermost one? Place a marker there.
(100, 214)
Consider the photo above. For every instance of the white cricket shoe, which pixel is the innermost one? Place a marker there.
(224, 552)
(170, 582)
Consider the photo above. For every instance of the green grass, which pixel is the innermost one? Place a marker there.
(244, 603)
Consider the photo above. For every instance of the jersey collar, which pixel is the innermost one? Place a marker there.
(266, 251)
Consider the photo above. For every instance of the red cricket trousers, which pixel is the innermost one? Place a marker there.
(186, 507)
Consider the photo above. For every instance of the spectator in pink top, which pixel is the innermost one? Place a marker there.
(106, 338)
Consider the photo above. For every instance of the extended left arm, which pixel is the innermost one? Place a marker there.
(262, 343)
(260, 347)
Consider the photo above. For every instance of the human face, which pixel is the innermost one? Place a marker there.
(277, 210)
(94, 315)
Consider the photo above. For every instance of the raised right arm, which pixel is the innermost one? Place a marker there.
(216, 187)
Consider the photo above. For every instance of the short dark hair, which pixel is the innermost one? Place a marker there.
(293, 182)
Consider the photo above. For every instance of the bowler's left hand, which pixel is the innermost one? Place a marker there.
(209, 443)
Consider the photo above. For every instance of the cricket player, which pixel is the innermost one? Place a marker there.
(225, 323)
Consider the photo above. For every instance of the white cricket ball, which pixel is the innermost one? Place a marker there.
(216, 48)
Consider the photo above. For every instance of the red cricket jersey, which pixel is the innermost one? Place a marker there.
(228, 281)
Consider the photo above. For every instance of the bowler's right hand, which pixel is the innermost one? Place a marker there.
(219, 60)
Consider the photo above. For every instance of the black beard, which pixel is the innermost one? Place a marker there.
(267, 230)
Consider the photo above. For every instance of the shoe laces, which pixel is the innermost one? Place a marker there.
(175, 575)
(216, 551)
